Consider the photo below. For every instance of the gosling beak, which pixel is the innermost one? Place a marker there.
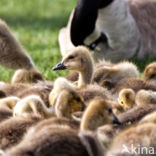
(116, 121)
(83, 107)
(59, 66)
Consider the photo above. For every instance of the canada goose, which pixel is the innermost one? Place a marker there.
(145, 97)
(49, 139)
(64, 99)
(32, 104)
(108, 76)
(126, 98)
(138, 137)
(12, 54)
(91, 24)
(13, 129)
(98, 113)
(150, 72)
(27, 76)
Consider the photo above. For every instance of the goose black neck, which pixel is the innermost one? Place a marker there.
(84, 19)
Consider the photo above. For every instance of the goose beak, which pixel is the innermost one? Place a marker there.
(59, 66)
(116, 121)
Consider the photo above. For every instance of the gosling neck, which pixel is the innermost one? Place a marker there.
(48, 112)
(85, 76)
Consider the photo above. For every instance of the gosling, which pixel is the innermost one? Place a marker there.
(32, 105)
(64, 99)
(30, 76)
(12, 55)
(98, 113)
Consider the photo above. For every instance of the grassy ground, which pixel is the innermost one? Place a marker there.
(36, 24)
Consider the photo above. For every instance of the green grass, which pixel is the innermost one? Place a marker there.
(36, 24)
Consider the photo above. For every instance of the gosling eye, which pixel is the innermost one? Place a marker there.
(153, 75)
(78, 99)
(70, 57)
(122, 102)
(109, 110)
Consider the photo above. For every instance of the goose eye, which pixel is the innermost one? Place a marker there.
(70, 57)
(109, 110)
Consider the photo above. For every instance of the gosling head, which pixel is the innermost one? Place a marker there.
(27, 76)
(98, 113)
(68, 102)
(64, 99)
(78, 59)
(126, 98)
(150, 71)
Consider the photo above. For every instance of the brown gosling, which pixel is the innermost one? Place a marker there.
(93, 91)
(108, 76)
(64, 99)
(134, 83)
(55, 122)
(32, 105)
(151, 117)
(49, 138)
(41, 88)
(13, 129)
(98, 113)
(80, 60)
(145, 97)
(5, 113)
(27, 76)
(74, 76)
(12, 54)
(138, 137)
(126, 98)
(150, 72)
(137, 114)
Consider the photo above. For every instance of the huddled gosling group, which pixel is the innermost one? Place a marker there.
(96, 110)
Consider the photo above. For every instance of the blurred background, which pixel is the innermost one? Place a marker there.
(36, 24)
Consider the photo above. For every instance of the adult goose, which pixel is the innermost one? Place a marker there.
(12, 55)
(114, 29)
